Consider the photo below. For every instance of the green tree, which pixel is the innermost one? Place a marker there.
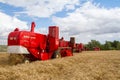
(102, 47)
(93, 44)
(108, 45)
(118, 46)
(115, 44)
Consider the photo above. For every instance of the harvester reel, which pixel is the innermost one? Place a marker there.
(15, 59)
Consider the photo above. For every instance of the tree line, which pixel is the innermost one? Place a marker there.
(108, 45)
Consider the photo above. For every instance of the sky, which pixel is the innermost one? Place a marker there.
(85, 20)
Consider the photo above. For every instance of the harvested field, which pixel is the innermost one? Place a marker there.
(90, 65)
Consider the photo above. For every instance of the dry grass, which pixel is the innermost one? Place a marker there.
(101, 65)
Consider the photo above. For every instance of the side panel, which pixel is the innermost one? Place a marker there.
(24, 39)
(34, 40)
(38, 46)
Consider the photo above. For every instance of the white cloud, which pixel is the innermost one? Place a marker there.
(90, 20)
(42, 8)
(8, 24)
(87, 22)
(43, 30)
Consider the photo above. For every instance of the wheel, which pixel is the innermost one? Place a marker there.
(26, 61)
(57, 54)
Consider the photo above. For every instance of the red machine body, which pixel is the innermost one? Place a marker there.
(40, 46)
(79, 47)
(96, 49)
(76, 47)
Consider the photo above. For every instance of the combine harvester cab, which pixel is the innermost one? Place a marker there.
(35, 46)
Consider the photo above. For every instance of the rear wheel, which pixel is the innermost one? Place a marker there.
(57, 54)
(26, 61)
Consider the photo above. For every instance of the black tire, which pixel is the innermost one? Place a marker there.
(26, 60)
(57, 54)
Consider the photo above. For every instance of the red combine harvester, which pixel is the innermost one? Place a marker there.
(35, 46)
(79, 47)
(96, 49)
(76, 47)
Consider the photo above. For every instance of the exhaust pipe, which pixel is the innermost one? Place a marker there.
(32, 26)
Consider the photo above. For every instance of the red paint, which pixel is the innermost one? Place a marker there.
(43, 46)
(96, 49)
(79, 47)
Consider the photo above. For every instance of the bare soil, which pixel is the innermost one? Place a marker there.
(88, 65)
